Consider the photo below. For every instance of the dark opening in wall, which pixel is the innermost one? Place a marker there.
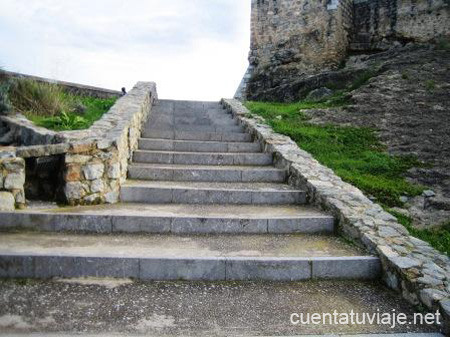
(43, 178)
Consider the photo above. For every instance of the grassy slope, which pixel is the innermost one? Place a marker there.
(355, 154)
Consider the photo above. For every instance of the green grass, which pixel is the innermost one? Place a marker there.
(443, 44)
(355, 154)
(439, 238)
(95, 108)
(49, 106)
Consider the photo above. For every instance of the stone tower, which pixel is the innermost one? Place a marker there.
(292, 38)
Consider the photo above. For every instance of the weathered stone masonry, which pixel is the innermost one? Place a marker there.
(95, 169)
(296, 38)
(12, 179)
(94, 162)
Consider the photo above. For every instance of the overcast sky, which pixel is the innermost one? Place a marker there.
(194, 49)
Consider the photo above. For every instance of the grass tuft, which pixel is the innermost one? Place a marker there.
(430, 85)
(439, 238)
(39, 99)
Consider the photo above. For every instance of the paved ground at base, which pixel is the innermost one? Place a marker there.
(190, 309)
(133, 335)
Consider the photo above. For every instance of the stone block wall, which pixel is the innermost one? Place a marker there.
(380, 23)
(313, 33)
(410, 266)
(93, 162)
(94, 169)
(12, 179)
(293, 39)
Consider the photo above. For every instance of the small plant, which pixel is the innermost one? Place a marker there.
(363, 79)
(443, 44)
(430, 85)
(64, 121)
(405, 75)
(438, 237)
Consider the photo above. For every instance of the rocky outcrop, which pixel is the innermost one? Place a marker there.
(407, 101)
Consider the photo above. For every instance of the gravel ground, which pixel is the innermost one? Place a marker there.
(190, 309)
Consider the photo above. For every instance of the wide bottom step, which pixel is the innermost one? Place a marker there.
(169, 257)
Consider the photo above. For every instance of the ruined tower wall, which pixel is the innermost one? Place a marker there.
(378, 23)
(291, 39)
(310, 33)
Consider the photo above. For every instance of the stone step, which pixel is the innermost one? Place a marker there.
(197, 146)
(171, 257)
(162, 192)
(171, 218)
(202, 119)
(202, 158)
(198, 128)
(193, 135)
(190, 117)
(206, 173)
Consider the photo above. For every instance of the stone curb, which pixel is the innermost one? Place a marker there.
(410, 266)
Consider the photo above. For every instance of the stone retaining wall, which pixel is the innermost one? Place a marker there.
(95, 161)
(410, 266)
(95, 168)
(12, 179)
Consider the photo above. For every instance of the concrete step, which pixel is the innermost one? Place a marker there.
(192, 135)
(197, 128)
(202, 158)
(171, 218)
(206, 173)
(98, 307)
(162, 192)
(203, 119)
(197, 146)
(171, 257)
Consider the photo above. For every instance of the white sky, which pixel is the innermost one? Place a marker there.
(192, 49)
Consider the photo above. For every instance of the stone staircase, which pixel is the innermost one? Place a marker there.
(196, 172)
(203, 202)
